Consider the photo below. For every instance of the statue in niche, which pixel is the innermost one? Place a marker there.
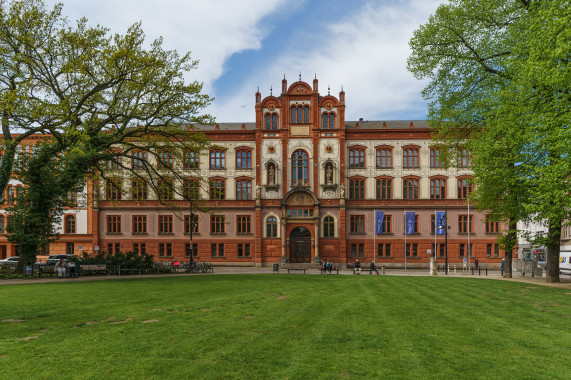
(271, 175)
(258, 191)
(342, 191)
(328, 174)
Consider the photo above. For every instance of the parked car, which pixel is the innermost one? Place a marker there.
(12, 262)
(53, 259)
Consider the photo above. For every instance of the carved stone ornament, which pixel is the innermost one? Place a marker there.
(328, 106)
(271, 106)
(300, 89)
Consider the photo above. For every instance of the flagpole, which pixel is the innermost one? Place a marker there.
(469, 226)
(404, 240)
(374, 234)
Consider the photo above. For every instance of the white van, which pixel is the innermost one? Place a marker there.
(565, 262)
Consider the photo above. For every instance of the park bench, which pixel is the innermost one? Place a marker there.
(93, 268)
(325, 271)
(46, 269)
(296, 268)
(364, 268)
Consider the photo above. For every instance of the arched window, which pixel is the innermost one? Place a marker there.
(384, 158)
(299, 168)
(243, 189)
(268, 121)
(10, 196)
(217, 188)
(272, 121)
(275, 121)
(300, 115)
(356, 158)
(271, 227)
(2, 227)
(410, 188)
(306, 114)
(328, 121)
(243, 158)
(465, 187)
(384, 188)
(410, 157)
(328, 227)
(438, 188)
(70, 224)
(293, 114)
(435, 158)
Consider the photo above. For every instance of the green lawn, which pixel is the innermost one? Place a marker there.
(285, 326)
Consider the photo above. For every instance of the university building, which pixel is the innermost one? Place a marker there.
(300, 185)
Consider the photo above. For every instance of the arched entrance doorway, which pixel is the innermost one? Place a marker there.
(300, 245)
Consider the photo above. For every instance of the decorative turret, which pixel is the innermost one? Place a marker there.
(284, 85)
(315, 82)
(342, 96)
(258, 96)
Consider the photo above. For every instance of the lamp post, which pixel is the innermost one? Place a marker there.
(191, 227)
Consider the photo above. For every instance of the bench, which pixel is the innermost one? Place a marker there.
(364, 268)
(303, 269)
(324, 271)
(93, 268)
(46, 269)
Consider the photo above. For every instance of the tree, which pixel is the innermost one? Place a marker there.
(511, 110)
(98, 98)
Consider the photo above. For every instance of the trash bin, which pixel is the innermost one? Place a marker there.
(29, 271)
(276, 267)
(383, 269)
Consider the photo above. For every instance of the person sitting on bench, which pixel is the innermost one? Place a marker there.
(357, 267)
(61, 268)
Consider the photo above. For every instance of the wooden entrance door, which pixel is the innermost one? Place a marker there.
(300, 245)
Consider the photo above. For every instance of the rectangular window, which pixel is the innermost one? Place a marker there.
(435, 158)
(165, 249)
(414, 247)
(165, 189)
(492, 225)
(139, 224)
(244, 250)
(194, 251)
(140, 248)
(410, 188)
(357, 250)
(437, 189)
(357, 224)
(464, 158)
(384, 250)
(463, 226)
(217, 225)
(70, 248)
(217, 249)
(217, 159)
(387, 224)
(243, 223)
(410, 158)
(114, 224)
(139, 159)
(441, 250)
(190, 160)
(165, 224)
(191, 188)
(462, 248)
(114, 162)
(243, 189)
(188, 225)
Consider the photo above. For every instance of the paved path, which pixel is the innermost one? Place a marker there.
(492, 274)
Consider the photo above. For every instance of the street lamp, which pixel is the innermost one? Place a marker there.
(191, 225)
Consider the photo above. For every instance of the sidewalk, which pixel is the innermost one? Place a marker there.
(492, 274)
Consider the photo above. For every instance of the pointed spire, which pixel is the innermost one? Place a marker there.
(328, 90)
(270, 90)
(300, 76)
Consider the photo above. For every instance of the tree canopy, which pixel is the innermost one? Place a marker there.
(99, 99)
(499, 84)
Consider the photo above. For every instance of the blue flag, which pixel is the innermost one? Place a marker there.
(440, 215)
(409, 227)
(379, 218)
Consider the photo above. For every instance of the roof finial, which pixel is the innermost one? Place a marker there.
(284, 76)
(300, 76)
(270, 90)
(328, 88)
(341, 87)
(258, 88)
(315, 75)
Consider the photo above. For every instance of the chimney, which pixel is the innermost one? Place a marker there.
(217, 127)
(411, 125)
(384, 124)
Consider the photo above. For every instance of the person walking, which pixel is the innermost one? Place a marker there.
(476, 263)
(503, 266)
(374, 268)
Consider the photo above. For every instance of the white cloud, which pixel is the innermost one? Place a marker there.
(365, 53)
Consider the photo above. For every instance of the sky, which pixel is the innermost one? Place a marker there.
(242, 45)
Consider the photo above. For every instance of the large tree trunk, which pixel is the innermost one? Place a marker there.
(553, 251)
(511, 243)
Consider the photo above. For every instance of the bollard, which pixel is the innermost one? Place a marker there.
(486, 271)
(472, 271)
(383, 269)
(454, 269)
(448, 268)
(479, 271)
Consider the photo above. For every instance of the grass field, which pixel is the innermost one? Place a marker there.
(285, 326)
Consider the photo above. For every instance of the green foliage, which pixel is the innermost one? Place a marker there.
(499, 86)
(98, 98)
(265, 326)
(127, 260)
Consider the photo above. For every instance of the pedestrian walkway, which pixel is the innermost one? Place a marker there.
(222, 270)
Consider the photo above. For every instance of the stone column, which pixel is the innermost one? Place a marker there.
(284, 240)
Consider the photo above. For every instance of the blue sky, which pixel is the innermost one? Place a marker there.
(245, 44)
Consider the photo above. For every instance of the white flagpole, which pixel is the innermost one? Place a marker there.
(374, 234)
(469, 226)
(404, 240)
